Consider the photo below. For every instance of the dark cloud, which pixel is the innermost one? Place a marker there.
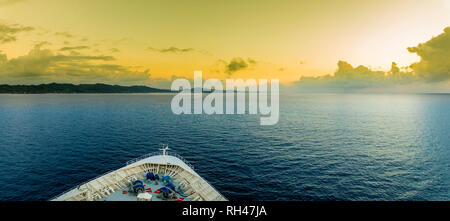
(237, 64)
(251, 61)
(435, 58)
(60, 57)
(74, 48)
(8, 33)
(44, 66)
(64, 34)
(171, 50)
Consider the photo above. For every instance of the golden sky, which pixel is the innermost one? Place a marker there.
(247, 39)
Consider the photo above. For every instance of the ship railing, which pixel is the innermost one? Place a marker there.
(181, 158)
(142, 157)
(82, 183)
(201, 178)
(86, 182)
(158, 153)
(192, 167)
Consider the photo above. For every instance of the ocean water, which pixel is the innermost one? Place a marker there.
(325, 146)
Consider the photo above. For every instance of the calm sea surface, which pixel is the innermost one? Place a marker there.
(325, 147)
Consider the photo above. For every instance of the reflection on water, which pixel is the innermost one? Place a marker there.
(325, 147)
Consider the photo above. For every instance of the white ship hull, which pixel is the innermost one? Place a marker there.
(117, 185)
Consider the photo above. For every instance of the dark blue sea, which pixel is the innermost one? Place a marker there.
(325, 146)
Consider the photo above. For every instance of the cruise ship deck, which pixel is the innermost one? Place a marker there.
(153, 177)
(150, 187)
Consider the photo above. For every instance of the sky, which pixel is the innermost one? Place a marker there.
(141, 42)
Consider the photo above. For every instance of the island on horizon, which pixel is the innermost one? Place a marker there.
(65, 88)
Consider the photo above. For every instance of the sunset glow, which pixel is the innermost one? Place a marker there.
(152, 42)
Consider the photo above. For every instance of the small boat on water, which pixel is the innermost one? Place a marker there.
(152, 177)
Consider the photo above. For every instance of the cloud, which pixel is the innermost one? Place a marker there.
(74, 48)
(114, 50)
(433, 68)
(251, 61)
(44, 66)
(64, 34)
(434, 65)
(176, 50)
(171, 50)
(237, 64)
(8, 33)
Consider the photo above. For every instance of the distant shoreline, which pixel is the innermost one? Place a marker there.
(63, 88)
(66, 88)
(57, 88)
